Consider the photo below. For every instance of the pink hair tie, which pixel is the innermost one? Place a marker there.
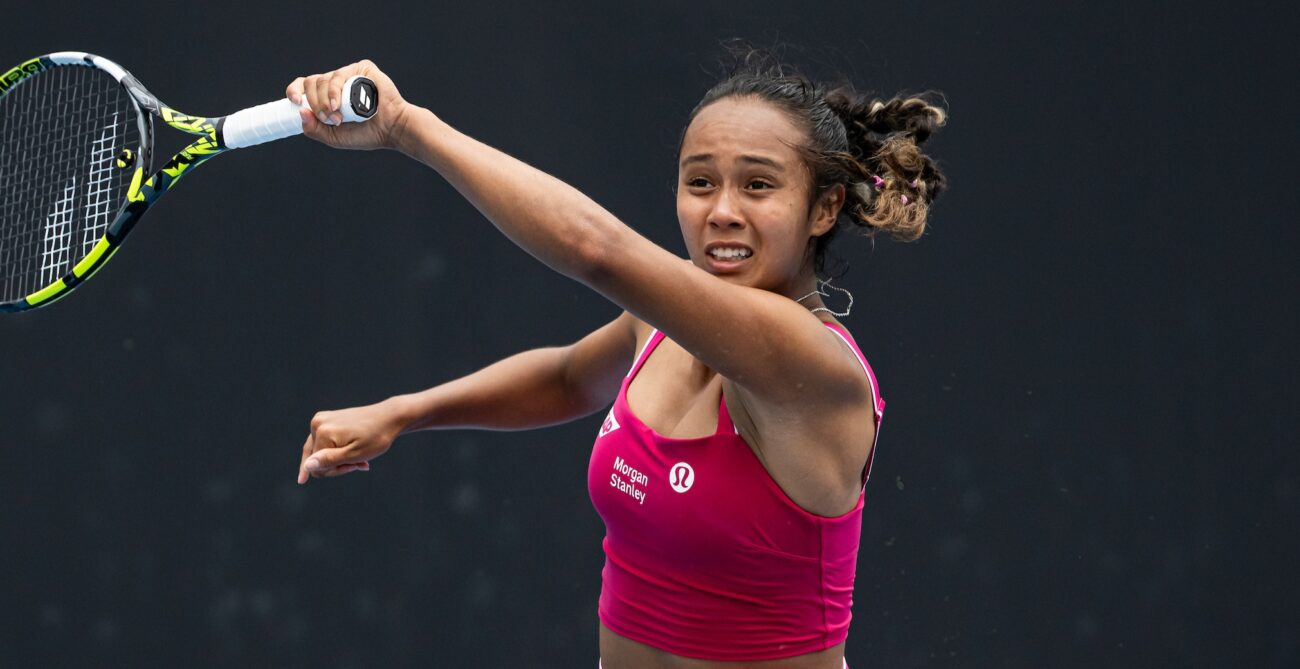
(913, 184)
(904, 199)
(877, 181)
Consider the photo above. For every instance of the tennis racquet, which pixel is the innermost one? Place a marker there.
(76, 144)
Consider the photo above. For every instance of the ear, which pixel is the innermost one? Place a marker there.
(827, 210)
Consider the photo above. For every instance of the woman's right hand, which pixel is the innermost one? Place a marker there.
(324, 92)
(348, 439)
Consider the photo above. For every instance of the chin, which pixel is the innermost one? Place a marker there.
(736, 279)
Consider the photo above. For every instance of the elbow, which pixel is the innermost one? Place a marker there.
(596, 249)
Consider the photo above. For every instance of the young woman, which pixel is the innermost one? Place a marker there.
(730, 471)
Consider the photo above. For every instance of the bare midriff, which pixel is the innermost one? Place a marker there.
(618, 652)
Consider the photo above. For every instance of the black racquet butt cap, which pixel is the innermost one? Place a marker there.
(365, 97)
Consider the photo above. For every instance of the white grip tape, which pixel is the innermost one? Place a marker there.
(277, 120)
(263, 123)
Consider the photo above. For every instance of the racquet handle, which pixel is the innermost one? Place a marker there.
(280, 119)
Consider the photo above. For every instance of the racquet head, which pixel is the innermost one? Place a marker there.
(72, 139)
(76, 144)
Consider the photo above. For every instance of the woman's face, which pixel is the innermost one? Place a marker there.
(743, 194)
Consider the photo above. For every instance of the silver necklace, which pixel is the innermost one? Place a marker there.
(826, 283)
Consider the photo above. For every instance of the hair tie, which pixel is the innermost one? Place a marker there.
(877, 181)
(904, 199)
(913, 184)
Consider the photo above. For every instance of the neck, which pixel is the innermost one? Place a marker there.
(805, 291)
(813, 299)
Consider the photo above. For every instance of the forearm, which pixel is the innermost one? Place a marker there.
(550, 219)
(523, 391)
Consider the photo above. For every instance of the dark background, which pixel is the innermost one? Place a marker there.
(1087, 359)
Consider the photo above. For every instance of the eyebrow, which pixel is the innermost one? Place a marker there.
(759, 160)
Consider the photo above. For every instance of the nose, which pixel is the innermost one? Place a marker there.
(725, 213)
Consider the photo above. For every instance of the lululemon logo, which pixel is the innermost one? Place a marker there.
(609, 425)
(681, 477)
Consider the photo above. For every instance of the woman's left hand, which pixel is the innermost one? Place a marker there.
(347, 440)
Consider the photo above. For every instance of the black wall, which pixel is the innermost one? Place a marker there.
(1087, 359)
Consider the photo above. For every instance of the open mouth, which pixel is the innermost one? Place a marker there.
(728, 259)
(727, 254)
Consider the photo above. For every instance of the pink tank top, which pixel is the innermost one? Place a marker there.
(705, 555)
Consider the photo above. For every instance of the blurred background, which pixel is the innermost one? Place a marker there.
(1088, 359)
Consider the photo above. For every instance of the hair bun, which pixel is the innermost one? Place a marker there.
(885, 136)
(914, 116)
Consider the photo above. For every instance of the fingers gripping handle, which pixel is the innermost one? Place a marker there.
(280, 119)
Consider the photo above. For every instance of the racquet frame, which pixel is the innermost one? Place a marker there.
(143, 192)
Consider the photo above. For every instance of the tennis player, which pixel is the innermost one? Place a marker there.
(730, 471)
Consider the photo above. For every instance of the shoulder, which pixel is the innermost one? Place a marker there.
(846, 343)
(856, 386)
(816, 448)
(637, 330)
(857, 362)
(852, 362)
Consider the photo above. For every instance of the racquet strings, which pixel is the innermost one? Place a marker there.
(61, 132)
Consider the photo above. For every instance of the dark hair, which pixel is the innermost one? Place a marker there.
(869, 145)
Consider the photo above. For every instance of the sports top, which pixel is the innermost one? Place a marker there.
(705, 555)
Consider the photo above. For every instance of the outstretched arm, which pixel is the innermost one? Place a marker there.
(765, 342)
(540, 387)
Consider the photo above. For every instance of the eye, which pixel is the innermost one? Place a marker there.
(698, 182)
(762, 184)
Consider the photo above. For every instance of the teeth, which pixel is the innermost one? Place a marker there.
(730, 254)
